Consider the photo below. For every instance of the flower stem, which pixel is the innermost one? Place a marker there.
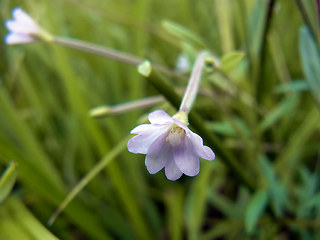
(193, 84)
(103, 111)
(110, 53)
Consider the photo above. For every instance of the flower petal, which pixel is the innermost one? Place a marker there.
(21, 27)
(21, 16)
(148, 133)
(186, 157)
(22, 23)
(172, 171)
(140, 129)
(203, 151)
(207, 153)
(148, 128)
(159, 117)
(158, 154)
(12, 26)
(15, 38)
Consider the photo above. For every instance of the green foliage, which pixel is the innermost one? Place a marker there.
(255, 208)
(311, 61)
(183, 33)
(230, 61)
(20, 223)
(261, 108)
(7, 181)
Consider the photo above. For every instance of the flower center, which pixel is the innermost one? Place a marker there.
(175, 135)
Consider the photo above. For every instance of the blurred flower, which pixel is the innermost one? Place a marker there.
(168, 143)
(183, 63)
(24, 29)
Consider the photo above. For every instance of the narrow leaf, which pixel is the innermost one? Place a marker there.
(7, 181)
(255, 208)
(183, 33)
(280, 111)
(26, 221)
(311, 61)
(294, 86)
(230, 61)
(277, 191)
(90, 175)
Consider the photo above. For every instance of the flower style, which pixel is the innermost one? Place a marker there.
(168, 143)
(23, 29)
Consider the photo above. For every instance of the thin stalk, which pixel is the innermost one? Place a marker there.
(110, 53)
(103, 111)
(86, 179)
(193, 84)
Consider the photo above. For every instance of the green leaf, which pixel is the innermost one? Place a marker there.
(277, 191)
(183, 33)
(256, 26)
(89, 176)
(310, 61)
(294, 86)
(309, 197)
(224, 128)
(7, 181)
(174, 199)
(231, 60)
(23, 224)
(255, 208)
(280, 111)
(196, 202)
(313, 202)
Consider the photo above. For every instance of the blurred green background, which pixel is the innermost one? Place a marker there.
(264, 111)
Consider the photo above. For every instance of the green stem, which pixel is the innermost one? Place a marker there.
(193, 84)
(110, 53)
(86, 179)
(103, 111)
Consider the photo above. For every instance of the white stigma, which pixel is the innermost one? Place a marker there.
(175, 135)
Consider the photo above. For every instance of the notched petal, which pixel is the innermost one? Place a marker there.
(138, 144)
(12, 25)
(159, 153)
(172, 171)
(147, 135)
(186, 158)
(207, 153)
(140, 129)
(22, 17)
(15, 38)
(159, 117)
(203, 151)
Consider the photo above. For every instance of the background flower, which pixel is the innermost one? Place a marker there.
(23, 28)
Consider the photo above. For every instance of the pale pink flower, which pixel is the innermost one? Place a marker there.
(23, 28)
(169, 144)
